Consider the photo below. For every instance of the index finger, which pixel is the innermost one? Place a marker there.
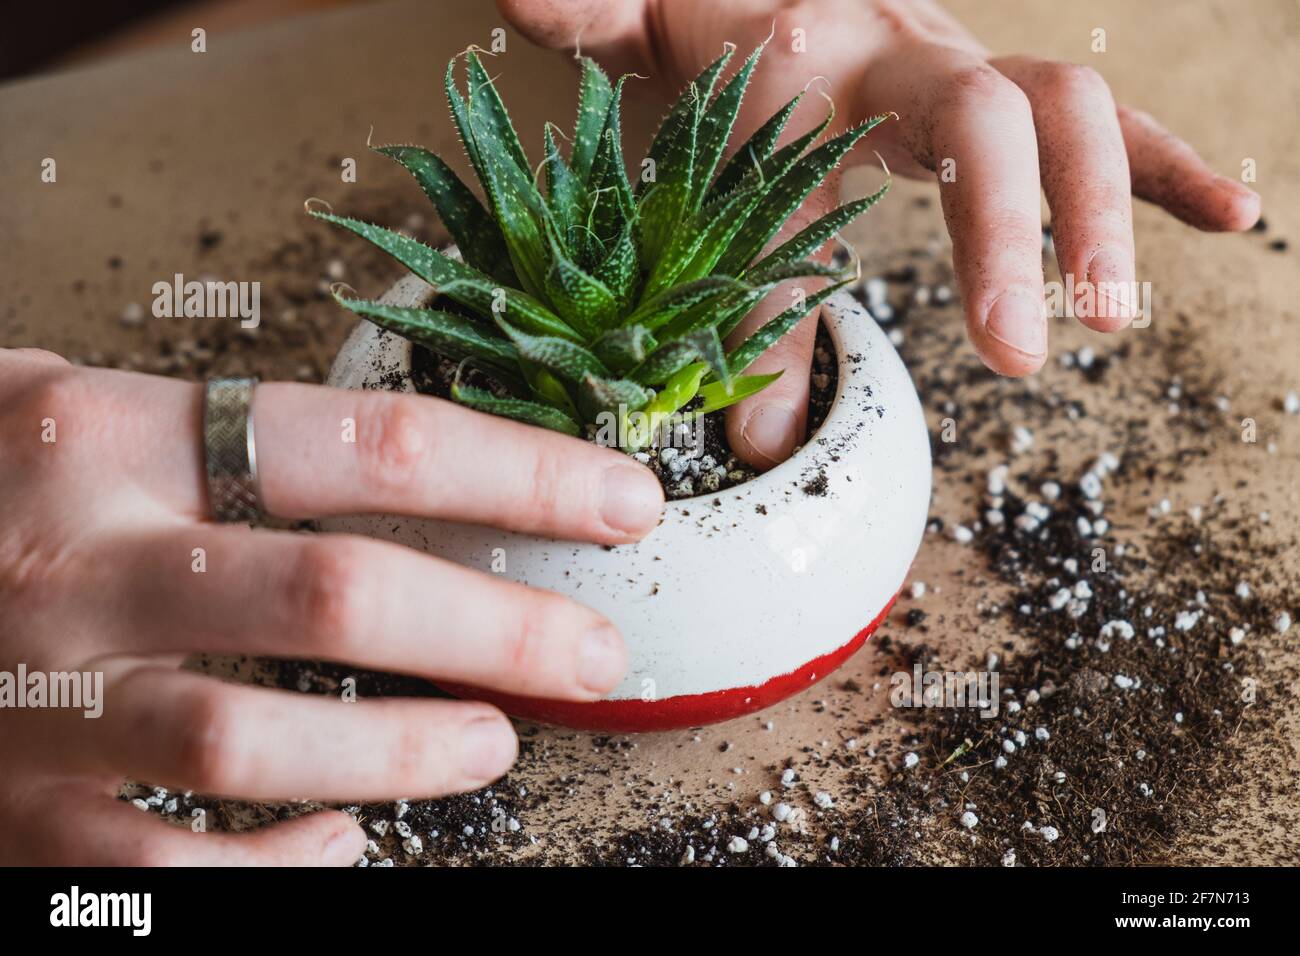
(974, 128)
(423, 456)
(326, 451)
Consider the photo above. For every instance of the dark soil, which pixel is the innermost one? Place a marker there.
(711, 466)
(1163, 757)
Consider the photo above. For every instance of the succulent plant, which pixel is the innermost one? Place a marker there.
(599, 300)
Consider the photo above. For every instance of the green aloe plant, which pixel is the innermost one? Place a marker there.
(597, 298)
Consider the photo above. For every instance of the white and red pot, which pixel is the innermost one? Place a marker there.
(738, 598)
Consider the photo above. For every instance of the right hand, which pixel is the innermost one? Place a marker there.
(1004, 126)
(97, 536)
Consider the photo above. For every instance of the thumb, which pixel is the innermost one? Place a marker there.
(613, 32)
(765, 429)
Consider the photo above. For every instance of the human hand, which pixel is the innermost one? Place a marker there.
(1005, 126)
(103, 504)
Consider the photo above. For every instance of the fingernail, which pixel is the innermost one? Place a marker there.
(1018, 319)
(633, 499)
(1110, 272)
(602, 659)
(771, 431)
(487, 748)
(345, 847)
(1232, 185)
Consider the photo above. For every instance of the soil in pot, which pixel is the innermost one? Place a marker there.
(715, 468)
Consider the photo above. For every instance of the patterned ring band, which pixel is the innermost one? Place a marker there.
(229, 450)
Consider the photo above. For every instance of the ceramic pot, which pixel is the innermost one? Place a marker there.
(737, 599)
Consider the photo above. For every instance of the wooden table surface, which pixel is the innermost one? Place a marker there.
(170, 161)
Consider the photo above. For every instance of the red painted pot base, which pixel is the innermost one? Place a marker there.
(672, 713)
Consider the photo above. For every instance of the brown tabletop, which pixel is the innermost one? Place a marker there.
(171, 162)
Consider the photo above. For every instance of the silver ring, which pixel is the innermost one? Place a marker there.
(229, 450)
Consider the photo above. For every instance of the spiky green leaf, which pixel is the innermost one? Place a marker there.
(444, 332)
(665, 201)
(564, 193)
(593, 108)
(533, 413)
(776, 272)
(624, 347)
(664, 362)
(709, 345)
(519, 210)
(676, 393)
(767, 334)
(716, 397)
(612, 207)
(812, 237)
(787, 194)
(662, 308)
(498, 158)
(564, 359)
(463, 283)
(757, 148)
(684, 113)
(583, 301)
(614, 394)
(727, 214)
(715, 128)
(475, 233)
(460, 115)
(485, 106)
(619, 269)
(716, 226)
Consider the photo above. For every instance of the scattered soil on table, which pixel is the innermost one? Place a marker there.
(300, 325)
(1125, 704)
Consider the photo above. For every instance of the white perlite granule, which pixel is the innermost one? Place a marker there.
(1117, 629)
